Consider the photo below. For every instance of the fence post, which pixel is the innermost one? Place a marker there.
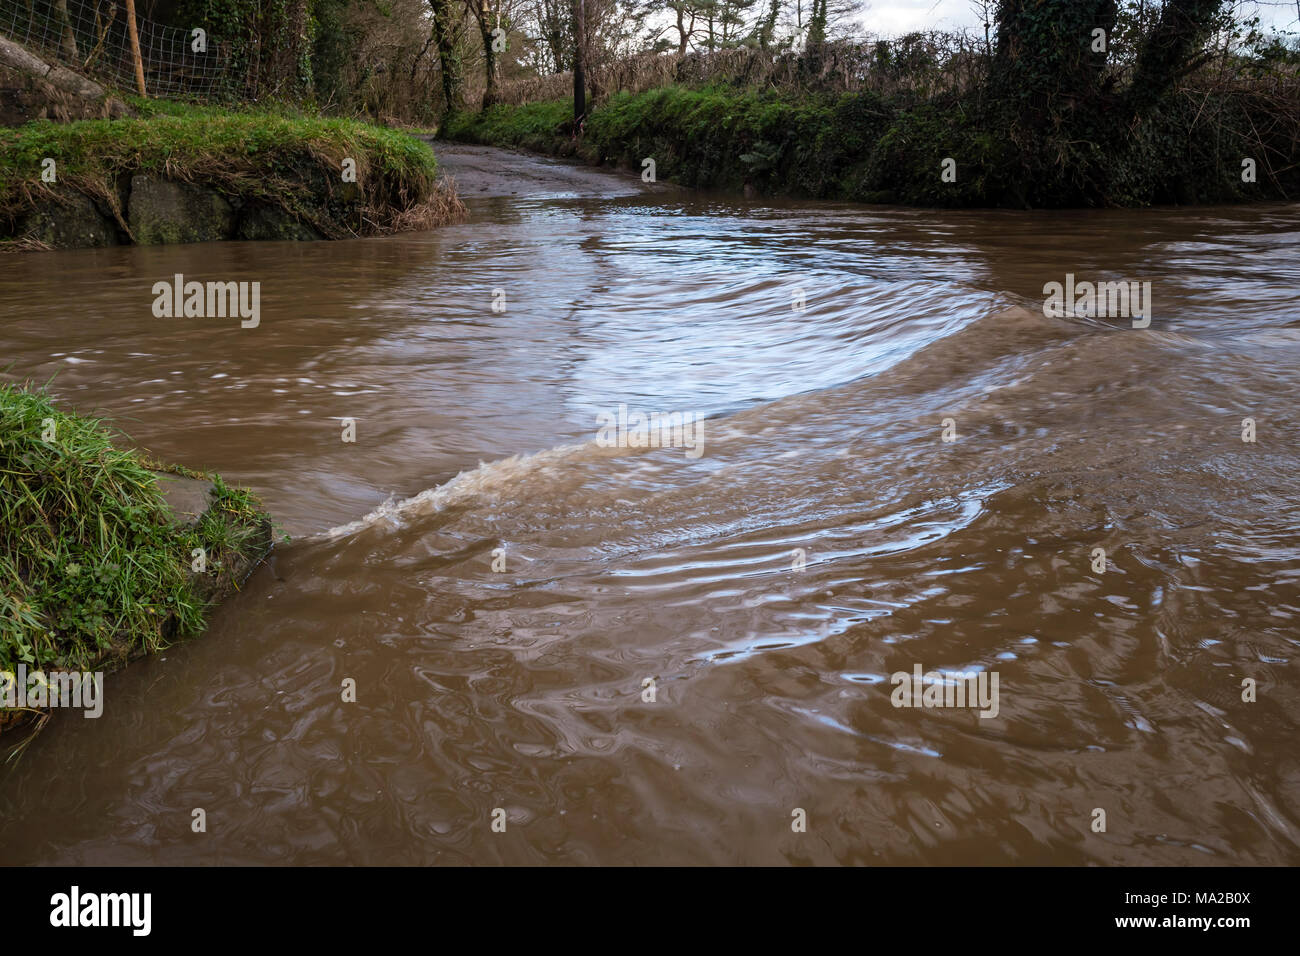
(135, 45)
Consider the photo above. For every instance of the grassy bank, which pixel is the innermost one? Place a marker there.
(866, 148)
(95, 567)
(286, 170)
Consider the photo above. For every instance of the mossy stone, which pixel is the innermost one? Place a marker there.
(69, 221)
(272, 222)
(161, 211)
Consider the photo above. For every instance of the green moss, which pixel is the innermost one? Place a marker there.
(268, 157)
(93, 563)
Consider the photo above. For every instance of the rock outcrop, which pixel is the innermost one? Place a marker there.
(70, 220)
(162, 211)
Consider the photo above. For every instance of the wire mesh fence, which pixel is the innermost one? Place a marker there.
(92, 37)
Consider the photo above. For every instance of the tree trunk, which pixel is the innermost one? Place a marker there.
(768, 29)
(448, 60)
(1045, 64)
(68, 39)
(579, 63)
(1049, 82)
(1168, 49)
(490, 64)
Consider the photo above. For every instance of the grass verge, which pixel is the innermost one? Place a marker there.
(95, 568)
(270, 157)
(864, 147)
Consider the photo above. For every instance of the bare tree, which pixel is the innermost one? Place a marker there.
(488, 14)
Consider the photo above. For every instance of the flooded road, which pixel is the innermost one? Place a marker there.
(647, 655)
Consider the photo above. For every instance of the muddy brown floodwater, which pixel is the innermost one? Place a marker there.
(617, 647)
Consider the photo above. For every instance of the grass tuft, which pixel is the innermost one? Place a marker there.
(94, 567)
